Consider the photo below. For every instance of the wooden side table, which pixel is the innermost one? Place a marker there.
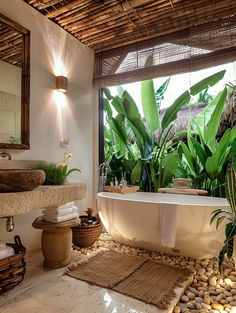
(56, 241)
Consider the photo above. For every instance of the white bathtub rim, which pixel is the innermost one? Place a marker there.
(223, 203)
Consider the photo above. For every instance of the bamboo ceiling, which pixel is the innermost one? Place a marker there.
(107, 24)
(11, 45)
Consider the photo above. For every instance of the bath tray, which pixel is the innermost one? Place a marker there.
(182, 191)
(123, 190)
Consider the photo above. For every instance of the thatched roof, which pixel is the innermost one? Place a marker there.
(106, 24)
(184, 115)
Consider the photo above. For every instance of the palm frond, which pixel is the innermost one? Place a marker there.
(216, 214)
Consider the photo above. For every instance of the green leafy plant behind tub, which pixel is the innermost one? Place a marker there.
(153, 160)
(204, 157)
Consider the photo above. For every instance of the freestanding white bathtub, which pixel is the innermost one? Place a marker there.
(134, 220)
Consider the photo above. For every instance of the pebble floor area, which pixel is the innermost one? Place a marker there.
(210, 291)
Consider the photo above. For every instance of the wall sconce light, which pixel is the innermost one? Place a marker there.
(61, 83)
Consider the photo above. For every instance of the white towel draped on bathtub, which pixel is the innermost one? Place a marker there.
(168, 224)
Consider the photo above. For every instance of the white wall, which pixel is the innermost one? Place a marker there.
(51, 116)
(10, 78)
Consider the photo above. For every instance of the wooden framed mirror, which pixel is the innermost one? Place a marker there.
(14, 85)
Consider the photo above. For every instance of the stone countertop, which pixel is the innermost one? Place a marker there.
(16, 203)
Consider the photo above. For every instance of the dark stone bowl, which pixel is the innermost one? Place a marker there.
(20, 179)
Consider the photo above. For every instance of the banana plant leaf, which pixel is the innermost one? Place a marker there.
(107, 108)
(107, 93)
(171, 112)
(108, 134)
(189, 158)
(204, 116)
(159, 94)
(200, 152)
(120, 145)
(136, 173)
(213, 124)
(211, 168)
(207, 82)
(150, 110)
(189, 139)
(230, 187)
(120, 91)
(134, 119)
(115, 101)
(199, 131)
(153, 174)
(117, 128)
(169, 166)
(130, 106)
(221, 149)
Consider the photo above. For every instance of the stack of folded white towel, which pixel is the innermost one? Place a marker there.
(5, 251)
(63, 213)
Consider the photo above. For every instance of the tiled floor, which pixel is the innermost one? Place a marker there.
(48, 291)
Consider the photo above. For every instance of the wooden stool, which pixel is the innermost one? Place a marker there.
(56, 241)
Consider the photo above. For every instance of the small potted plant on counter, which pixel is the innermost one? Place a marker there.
(57, 173)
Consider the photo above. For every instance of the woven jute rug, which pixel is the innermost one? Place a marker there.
(134, 276)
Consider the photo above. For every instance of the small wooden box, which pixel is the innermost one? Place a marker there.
(123, 190)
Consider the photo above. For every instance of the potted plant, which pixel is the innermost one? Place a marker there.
(221, 215)
(56, 173)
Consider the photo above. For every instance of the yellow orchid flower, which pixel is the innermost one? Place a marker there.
(67, 156)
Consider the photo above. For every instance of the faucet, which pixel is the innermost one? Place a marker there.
(10, 225)
(104, 169)
(4, 154)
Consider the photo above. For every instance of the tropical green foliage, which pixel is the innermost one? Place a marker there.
(204, 157)
(221, 215)
(141, 144)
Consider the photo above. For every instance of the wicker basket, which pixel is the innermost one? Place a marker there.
(12, 269)
(85, 235)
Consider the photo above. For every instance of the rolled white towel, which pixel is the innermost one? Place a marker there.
(66, 205)
(63, 218)
(55, 212)
(6, 251)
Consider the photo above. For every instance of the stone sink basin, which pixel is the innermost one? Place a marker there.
(14, 180)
